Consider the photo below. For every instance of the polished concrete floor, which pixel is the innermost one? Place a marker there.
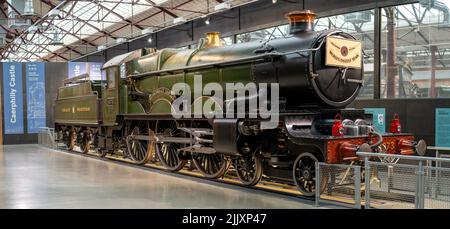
(35, 177)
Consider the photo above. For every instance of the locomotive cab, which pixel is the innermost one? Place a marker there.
(111, 96)
(115, 90)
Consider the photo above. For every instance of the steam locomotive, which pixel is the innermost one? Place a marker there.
(318, 74)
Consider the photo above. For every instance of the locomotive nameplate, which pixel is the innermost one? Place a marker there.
(343, 53)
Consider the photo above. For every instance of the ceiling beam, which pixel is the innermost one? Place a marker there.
(81, 20)
(65, 34)
(162, 8)
(122, 27)
(118, 15)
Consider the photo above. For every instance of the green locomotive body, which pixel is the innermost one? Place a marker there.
(130, 112)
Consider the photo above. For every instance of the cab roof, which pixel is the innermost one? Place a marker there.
(120, 59)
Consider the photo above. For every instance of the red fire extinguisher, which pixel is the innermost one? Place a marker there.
(396, 127)
(338, 129)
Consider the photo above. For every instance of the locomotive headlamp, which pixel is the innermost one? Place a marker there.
(301, 21)
(395, 127)
(337, 129)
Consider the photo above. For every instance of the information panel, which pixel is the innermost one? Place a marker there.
(12, 98)
(35, 84)
(379, 118)
(442, 130)
(95, 71)
(76, 69)
(79, 68)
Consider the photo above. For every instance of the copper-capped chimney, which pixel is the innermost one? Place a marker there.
(213, 39)
(301, 21)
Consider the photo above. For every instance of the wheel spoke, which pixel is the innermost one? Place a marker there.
(210, 165)
(167, 152)
(137, 149)
(304, 173)
(249, 170)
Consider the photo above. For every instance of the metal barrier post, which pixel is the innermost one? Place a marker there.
(366, 182)
(390, 177)
(422, 186)
(419, 193)
(357, 187)
(317, 183)
(437, 174)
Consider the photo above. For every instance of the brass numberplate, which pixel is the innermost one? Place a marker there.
(343, 53)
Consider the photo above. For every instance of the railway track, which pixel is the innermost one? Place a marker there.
(228, 179)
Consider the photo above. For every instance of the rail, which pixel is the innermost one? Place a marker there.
(393, 183)
(408, 157)
(440, 152)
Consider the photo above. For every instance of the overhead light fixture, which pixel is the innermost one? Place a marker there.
(54, 13)
(121, 40)
(274, 1)
(208, 21)
(33, 29)
(101, 47)
(222, 6)
(179, 20)
(147, 31)
(150, 40)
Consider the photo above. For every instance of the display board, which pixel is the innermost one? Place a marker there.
(76, 68)
(442, 129)
(35, 85)
(379, 118)
(13, 98)
(93, 68)
(95, 71)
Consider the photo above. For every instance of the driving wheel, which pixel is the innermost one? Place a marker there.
(168, 151)
(248, 169)
(137, 148)
(304, 174)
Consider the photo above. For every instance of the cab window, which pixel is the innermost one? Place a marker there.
(123, 74)
(111, 78)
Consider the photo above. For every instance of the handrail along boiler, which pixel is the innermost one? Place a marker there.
(319, 74)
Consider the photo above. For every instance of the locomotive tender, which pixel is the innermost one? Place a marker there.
(318, 74)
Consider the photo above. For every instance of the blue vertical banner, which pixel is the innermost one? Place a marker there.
(442, 129)
(13, 97)
(379, 118)
(35, 84)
